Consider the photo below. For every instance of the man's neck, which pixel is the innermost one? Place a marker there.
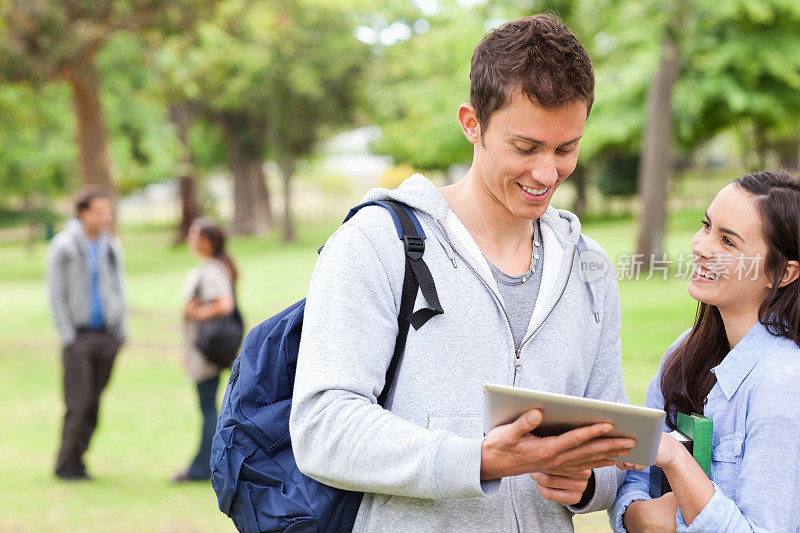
(489, 222)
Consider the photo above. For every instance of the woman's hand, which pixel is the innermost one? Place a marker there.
(692, 488)
(652, 516)
(190, 309)
(216, 308)
(669, 450)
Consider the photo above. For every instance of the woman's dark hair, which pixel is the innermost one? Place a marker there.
(687, 378)
(216, 237)
(537, 55)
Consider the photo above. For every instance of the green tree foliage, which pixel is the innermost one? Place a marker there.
(625, 57)
(419, 83)
(417, 87)
(142, 141)
(314, 82)
(34, 166)
(43, 41)
(35, 127)
(37, 150)
(616, 173)
(742, 70)
(739, 69)
(277, 76)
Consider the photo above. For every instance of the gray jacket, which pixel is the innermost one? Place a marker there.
(419, 463)
(68, 281)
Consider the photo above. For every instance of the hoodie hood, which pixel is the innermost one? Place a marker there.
(74, 227)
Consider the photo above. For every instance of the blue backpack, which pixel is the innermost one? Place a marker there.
(253, 470)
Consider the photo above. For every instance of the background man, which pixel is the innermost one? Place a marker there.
(85, 285)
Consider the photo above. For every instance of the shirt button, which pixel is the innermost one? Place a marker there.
(518, 367)
(536, 256)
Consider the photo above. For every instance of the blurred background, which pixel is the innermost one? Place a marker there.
(275, 117)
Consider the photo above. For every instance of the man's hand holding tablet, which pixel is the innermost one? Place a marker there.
(512, 449)
(560, 464)
(559, 439)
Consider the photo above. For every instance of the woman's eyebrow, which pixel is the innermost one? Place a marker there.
(727, 230)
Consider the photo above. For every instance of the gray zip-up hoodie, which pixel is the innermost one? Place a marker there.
(419, 463)
(68, 281)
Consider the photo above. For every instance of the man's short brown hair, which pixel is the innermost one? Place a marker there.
(537, 55)
(83, 200)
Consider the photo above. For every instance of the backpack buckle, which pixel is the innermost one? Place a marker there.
(414, 246)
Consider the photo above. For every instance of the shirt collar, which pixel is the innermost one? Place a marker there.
(741, 360)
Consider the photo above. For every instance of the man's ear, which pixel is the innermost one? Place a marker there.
(790, 273)
(468, 118)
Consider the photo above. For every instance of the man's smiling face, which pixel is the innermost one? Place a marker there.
(526, 152)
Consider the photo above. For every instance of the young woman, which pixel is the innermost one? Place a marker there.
(739, 365)
(209, 293)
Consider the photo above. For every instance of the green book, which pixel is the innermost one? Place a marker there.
(699, 429)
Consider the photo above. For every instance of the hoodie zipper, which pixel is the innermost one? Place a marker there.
(517, 351)
(517, 366)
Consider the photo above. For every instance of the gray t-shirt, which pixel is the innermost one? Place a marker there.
(520, 292)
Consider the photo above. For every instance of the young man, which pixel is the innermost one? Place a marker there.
(85, 284)
(517, 311)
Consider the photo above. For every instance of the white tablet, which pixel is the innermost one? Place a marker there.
(560, 413)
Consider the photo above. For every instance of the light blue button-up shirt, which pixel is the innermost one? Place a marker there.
(755, 462)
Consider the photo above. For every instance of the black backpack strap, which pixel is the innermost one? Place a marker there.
(417, 277)
(414, 245)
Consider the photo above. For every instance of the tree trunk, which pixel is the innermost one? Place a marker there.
(180, 115)
(579, 179)
(287, 169)
(655, 167)
(94, 161)
(251, 211)
(789, 153)
(243, 222)
(261, 203)
(190, 206)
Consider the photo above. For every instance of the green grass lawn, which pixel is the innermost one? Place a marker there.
(149, 420)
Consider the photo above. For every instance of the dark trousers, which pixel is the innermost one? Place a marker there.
(207, 392)
(87, 368)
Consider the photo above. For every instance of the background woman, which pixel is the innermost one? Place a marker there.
(209, 293)
(739, 365)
